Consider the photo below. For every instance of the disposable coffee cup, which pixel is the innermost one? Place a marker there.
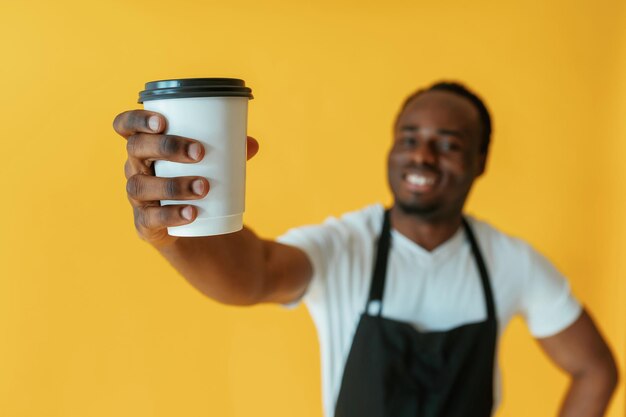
(213, 111)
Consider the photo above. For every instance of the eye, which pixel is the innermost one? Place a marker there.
(407, 141)
(448, 145)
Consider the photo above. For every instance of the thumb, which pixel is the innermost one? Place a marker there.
(252, 147)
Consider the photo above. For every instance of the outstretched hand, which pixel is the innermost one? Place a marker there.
(146, 142)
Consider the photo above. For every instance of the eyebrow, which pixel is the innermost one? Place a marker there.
(449, 132)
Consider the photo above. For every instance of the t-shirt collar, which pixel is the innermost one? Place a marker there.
(441, 252)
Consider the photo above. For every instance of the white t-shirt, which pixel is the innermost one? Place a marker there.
(436, 290)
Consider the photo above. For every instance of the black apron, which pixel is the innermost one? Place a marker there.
(393, 370)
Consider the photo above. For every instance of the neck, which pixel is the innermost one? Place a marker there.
(428, 233)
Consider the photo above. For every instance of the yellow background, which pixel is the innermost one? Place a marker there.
(94, 323)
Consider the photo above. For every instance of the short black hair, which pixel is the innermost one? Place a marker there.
(461, 90)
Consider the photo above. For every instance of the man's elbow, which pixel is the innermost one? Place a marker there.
(610, 370)
(603, 372)
(612, 374)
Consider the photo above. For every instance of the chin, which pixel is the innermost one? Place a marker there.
(417, 209)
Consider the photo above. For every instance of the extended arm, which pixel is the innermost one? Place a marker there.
(237, 268)
(241, 269)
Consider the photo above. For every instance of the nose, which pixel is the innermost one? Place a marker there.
(425, 154)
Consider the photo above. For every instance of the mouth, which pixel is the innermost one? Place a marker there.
(420, 181)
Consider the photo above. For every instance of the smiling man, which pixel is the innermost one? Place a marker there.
(409, 302)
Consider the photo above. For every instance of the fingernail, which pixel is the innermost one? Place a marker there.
(187, 213)
(194, 151)
(198, 187)
(154, 122)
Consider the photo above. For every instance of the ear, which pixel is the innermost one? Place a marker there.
(482, 163)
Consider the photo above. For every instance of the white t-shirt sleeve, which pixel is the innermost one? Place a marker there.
(320, 243)
(547, 303)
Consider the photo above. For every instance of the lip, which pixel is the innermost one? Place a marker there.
(420, 181)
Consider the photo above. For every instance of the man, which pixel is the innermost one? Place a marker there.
(408, 302)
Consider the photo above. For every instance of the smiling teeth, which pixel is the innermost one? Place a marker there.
(415, 179)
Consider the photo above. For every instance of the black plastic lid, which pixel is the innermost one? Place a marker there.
(195, 87)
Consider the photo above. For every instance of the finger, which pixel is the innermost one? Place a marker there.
(150, 220)
(146, 188)
(135, 166)
(134, 121)
(252, 147)
(151, 147)
(129, 171)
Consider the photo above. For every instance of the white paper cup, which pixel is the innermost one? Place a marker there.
(213, 111)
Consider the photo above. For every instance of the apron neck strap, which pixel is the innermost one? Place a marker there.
(482, 269)
(380, 267)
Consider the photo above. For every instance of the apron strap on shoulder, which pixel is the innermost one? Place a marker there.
(380, 268)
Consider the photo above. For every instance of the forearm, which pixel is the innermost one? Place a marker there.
(589, 393)
(229, 268)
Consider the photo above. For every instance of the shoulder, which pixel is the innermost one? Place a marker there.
(509, 261)
(513, 260)
(339, 250)
(513, 251)
(499, 245)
